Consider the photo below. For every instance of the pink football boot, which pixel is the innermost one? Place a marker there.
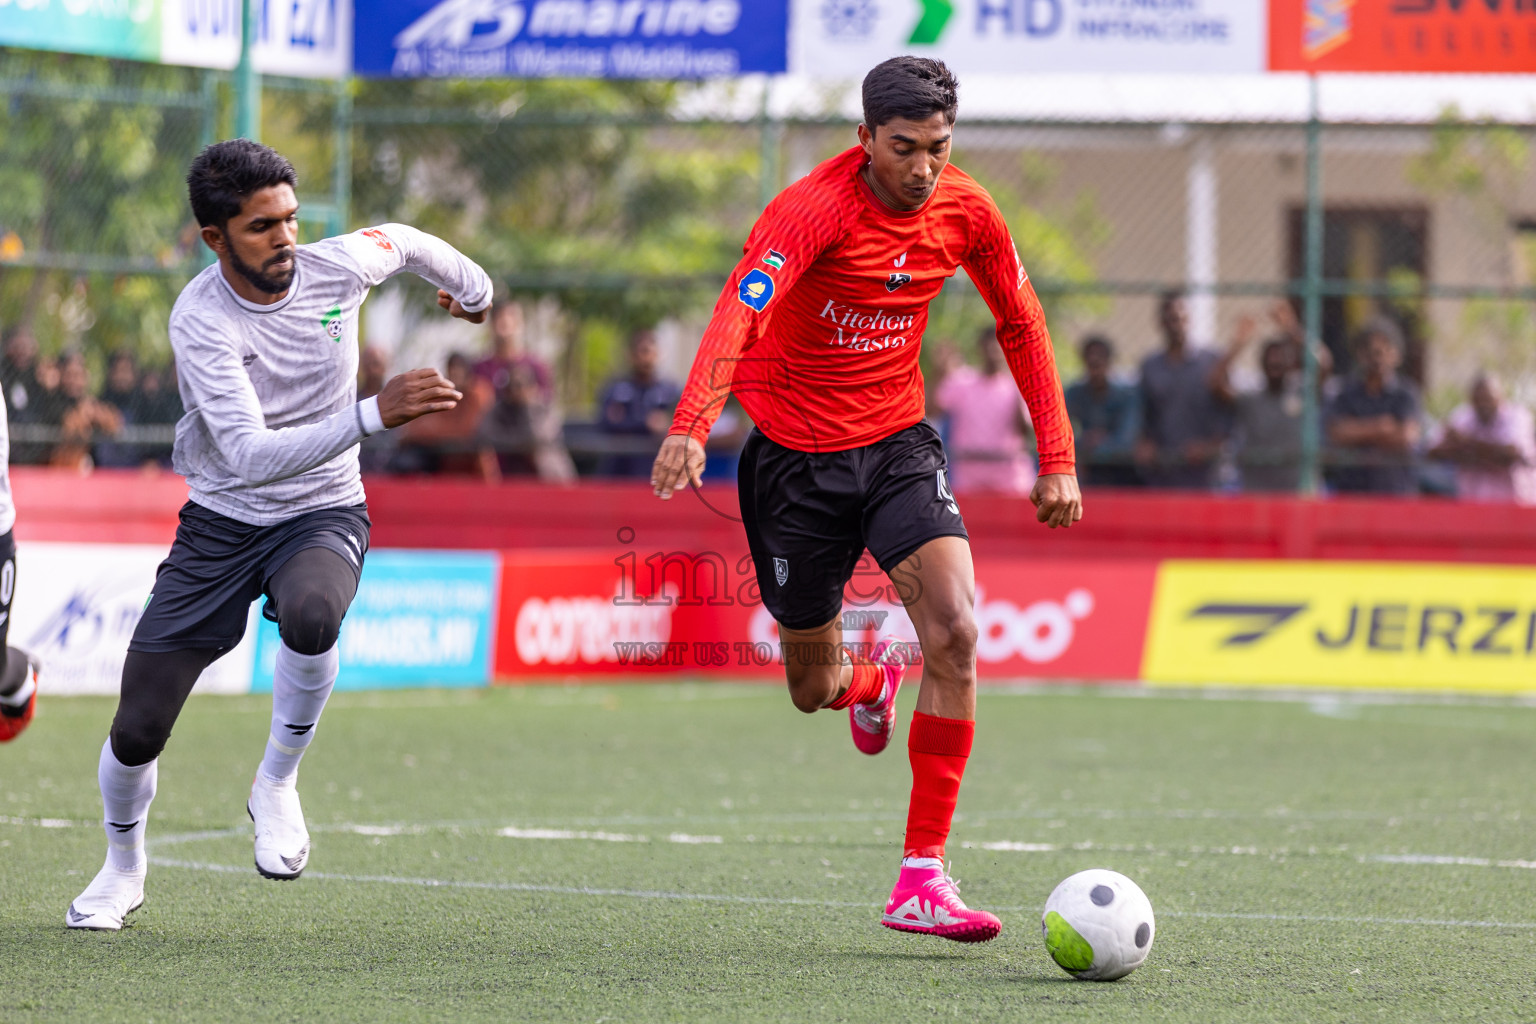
(873, 724)
(925, 901)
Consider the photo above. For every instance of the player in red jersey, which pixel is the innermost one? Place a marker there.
(817, 333)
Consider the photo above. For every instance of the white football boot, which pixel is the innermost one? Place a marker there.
(282, 841)
(112, 895)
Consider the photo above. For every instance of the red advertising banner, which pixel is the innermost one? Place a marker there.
(1467, 36)
(590, 613)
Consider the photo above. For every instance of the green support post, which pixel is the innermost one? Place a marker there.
(1312, 297)
(768, 183)
(341, 172)
(247, 79)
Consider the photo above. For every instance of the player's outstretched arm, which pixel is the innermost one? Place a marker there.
(679, 463)
(383, 251)
(416, 393)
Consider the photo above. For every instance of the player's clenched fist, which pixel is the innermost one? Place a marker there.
(415, 393)
(1057, 500)
(455, 308)
(680, 461)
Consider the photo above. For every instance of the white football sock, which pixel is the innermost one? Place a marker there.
(300, 686)
(921, 862)
(126, 793)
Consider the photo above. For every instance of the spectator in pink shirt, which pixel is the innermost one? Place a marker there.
(988, 425)
(1492, 444)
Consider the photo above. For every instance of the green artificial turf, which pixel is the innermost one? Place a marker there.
(732, 855)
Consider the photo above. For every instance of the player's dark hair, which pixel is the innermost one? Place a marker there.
(224, 175)
(1094, 341)
(1379, 326)
(1168, 296)
(910, 88)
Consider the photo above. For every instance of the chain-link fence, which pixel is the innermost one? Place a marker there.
(605, 214)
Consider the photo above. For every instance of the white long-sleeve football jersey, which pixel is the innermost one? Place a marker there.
(273, 421)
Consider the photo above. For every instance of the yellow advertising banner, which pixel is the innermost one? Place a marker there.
(1344, 624)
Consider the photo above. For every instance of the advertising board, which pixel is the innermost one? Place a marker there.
(572, 38)
(843, 40)
(1344, 624)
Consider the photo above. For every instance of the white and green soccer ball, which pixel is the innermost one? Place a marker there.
(1098, 925)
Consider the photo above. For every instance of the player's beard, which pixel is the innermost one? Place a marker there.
(258, 278)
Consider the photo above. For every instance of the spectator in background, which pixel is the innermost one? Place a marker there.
(509, 353)
(1492, 443)
(372, 371)
(376, 452)
(1266, 440)
(122, 387)
(636, 410)
(522, 434)
(122, 394)
(45, 410)
(1106, 417)
(988, 424)
(449, 442)
(18, 372)
(1373, 422)
(1184, 424)
(160, 407)
(85, 420)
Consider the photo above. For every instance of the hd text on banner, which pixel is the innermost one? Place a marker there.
(841, 40)
(573, 614)
(572, 38)
(420, 618)
(1344, 624)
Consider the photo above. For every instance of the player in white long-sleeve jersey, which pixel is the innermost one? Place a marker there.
(18, 669)
(266, 355)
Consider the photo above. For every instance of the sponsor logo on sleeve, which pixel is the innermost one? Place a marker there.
(379, 239)
(756, 290)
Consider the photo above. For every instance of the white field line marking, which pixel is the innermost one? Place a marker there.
(791, 901)
(568, 890)
(1435, 859)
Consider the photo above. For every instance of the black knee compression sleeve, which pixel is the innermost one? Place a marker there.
(155, 686)
(312, 592)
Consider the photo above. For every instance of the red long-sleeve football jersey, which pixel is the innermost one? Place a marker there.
(817, 331)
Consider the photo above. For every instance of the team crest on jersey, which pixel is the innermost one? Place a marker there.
(774, 259)
(781, 570)
(756, 290)
(333, 322)
(380, 239)
(896, 281)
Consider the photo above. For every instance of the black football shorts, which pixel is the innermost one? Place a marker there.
(810, 515)
(218, 566)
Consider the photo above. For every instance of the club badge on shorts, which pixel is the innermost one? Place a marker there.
(781, 570)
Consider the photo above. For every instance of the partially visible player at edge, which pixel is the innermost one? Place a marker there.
(818, 333)
(266, 357)
(18, 668)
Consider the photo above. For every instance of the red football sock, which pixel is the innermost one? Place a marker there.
(867, 687)
(938, 748)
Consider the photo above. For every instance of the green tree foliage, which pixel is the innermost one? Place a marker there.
(92, 154)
